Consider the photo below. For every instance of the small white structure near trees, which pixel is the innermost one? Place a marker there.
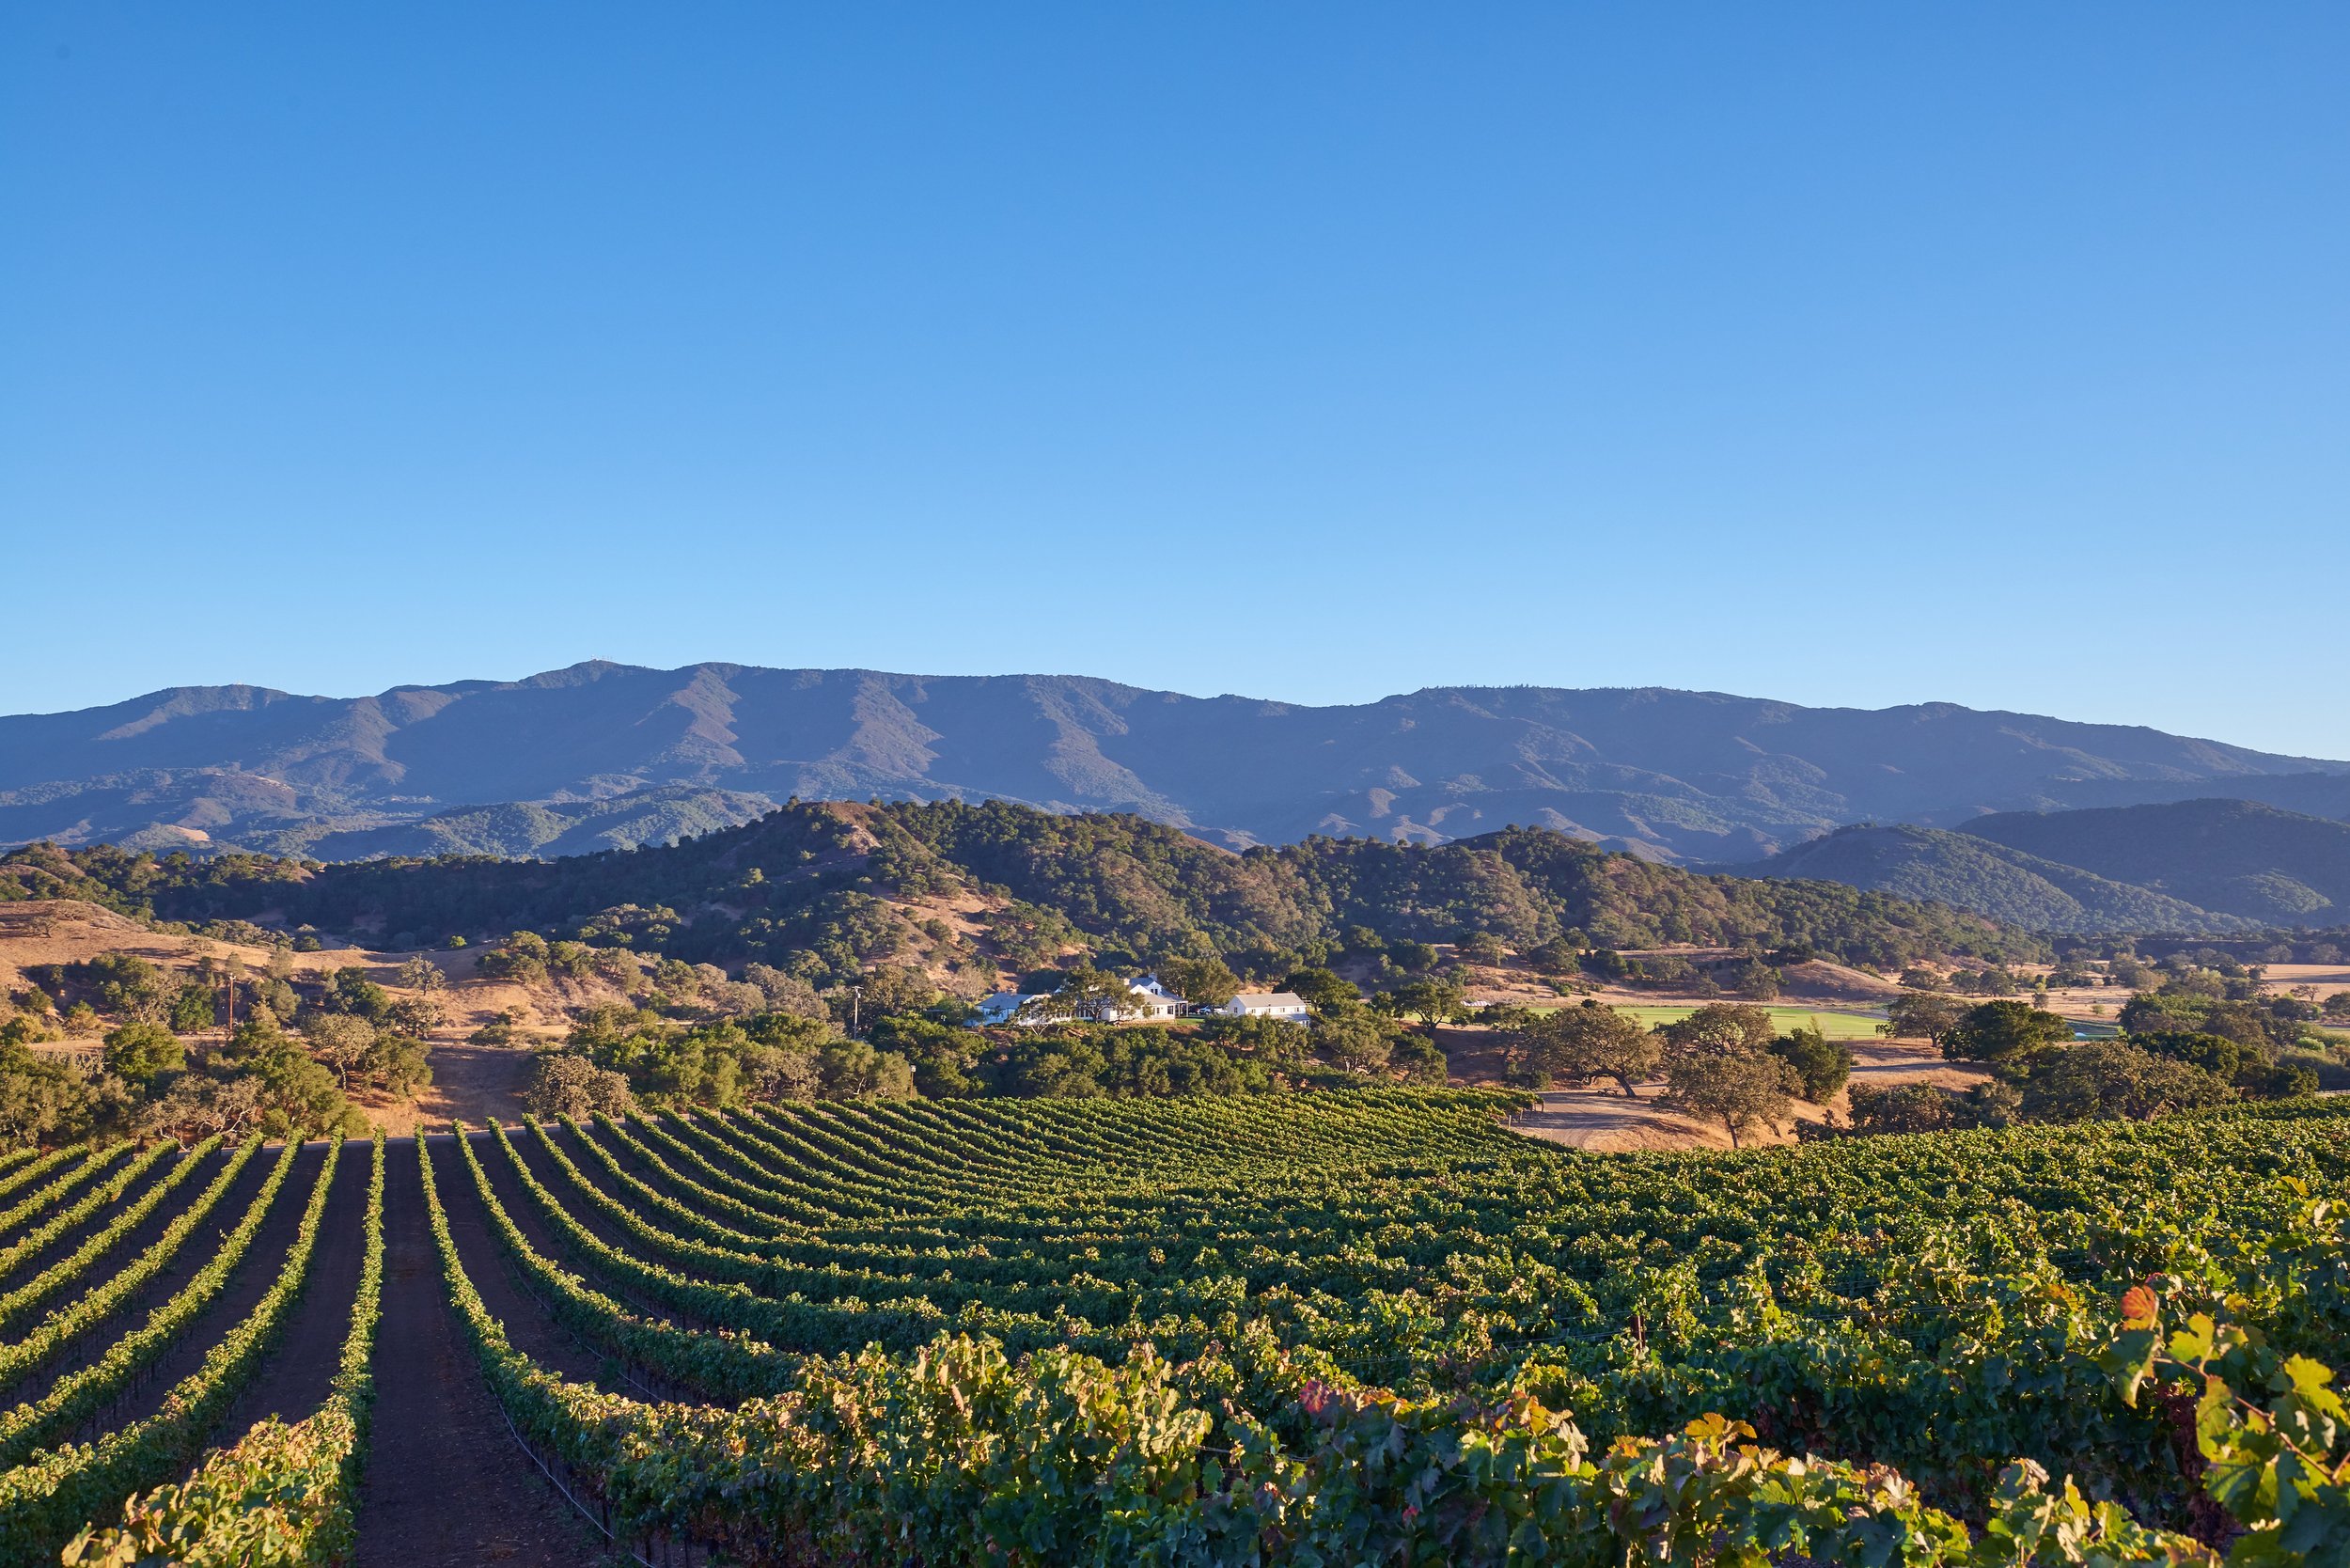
(1265, 1004)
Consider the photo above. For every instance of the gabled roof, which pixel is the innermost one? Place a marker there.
(1269, 998)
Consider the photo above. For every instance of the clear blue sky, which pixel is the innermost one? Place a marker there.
(1996, 353)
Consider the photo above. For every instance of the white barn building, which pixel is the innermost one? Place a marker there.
(1267, 1004)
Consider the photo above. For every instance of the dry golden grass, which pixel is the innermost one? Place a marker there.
(1606, 1122)
(469, 1082)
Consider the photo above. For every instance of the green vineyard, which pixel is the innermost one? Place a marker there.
(1369, 1327)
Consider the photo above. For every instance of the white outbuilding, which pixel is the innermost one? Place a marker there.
(1267, 1004)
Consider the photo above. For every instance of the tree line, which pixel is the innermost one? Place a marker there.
(830, 889)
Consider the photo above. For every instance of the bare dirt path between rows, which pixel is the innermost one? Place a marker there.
(527, 1220)
(300, 1371)
(470, 1083)
(446, 1483)
(255, 1274)
(528, 1325)
(81, 1189)
(542, 1164)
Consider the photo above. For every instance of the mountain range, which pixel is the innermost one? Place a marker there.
(2195, 867)
(602, 755)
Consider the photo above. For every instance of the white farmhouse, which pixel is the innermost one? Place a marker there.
(1149, 1000)
(1154, 1000)
(1267, 1004)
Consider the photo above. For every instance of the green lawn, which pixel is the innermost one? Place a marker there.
(1835, 1025)
(1828, 1021)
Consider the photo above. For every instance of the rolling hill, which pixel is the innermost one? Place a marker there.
(2207, 867)
(965, 889)
(2009, 885)
(553, 762)
(2232, 857)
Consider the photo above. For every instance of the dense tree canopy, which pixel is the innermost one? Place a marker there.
(821, 892)
(1578, 1043)
(2003, 1032)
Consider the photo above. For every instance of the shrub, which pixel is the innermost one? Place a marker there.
(2214, 1054)
(138, 1052)
(194, 1009)
(2002, 1032)
(1902, 1108)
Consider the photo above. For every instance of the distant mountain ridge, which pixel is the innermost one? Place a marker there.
(602, 755)
(2189, 867)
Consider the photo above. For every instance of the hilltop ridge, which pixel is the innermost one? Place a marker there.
(984, 890)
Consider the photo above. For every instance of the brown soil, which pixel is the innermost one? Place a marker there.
(301, 1372)
(68, 930)
(1829, 981)
(445, 1482)
(1605, 1120)
(1819, 981)
(470, 1084)
(2325, 978)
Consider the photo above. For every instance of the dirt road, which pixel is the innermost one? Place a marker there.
(1605, 1120)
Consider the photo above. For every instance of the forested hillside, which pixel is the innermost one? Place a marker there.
(828, 889)
(1991, 878)
(2233, 857)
